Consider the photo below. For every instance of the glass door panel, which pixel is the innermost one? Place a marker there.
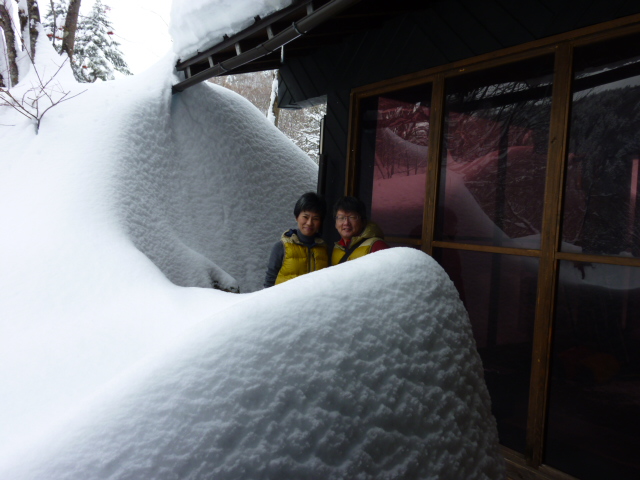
(393, 159)
(594, 404)
(499, 292)
(494, 155)
(601, 214)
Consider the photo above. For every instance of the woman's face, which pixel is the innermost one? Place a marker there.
(309, 223)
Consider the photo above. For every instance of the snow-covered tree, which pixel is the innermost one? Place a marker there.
(96, 55)
(54, 22)
(303, 127)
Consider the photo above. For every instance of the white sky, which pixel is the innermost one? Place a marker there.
(141, 27)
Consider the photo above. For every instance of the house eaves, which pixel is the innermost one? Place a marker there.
(261, 43)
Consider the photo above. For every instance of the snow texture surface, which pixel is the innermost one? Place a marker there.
(345, 387)
(115, 362)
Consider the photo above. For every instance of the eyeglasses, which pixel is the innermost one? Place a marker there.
(342, 218)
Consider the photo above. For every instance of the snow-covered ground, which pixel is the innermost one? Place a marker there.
(117, 359)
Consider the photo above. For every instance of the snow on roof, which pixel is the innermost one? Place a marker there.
(199, 24)
(115, 363)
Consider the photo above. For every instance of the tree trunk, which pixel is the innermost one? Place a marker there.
(55, 24)
(70, 27)
(24, 21)
(34, 20)
(10, 41)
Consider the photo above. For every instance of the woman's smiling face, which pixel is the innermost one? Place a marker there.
(309, 223)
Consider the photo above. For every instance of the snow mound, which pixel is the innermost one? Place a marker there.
(111, 370)
(199, 24)
(124, 187)
(205, 184)
(352, 376)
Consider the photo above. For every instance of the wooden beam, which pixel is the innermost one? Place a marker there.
(539, 383)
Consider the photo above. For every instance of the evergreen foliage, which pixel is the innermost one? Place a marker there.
(56, 14)
(96, 54)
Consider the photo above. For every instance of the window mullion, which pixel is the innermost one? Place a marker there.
(538, 393)
(433, 169)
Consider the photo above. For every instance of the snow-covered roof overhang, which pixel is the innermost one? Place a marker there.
(302, 26)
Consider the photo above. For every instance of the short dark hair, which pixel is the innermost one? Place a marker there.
(351, 204)
(310, 202)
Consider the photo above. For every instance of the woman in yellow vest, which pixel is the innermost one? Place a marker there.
(300, 250)
(358, 237)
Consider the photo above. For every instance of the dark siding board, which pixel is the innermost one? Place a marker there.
(303, 80)
(291, 77)
(285, 95)
(409, 52)
(336, 131)
(379, 55)
(407, 47)
(477, 38)
(566, 15)
(431, 53)
(629, 7)
(445, 36)
(309, 84)
(285, 100)
(598, 12)
(360, 58)
(340, 56)
(313, 77)
(442, 33)
(533, 16)
(498, 22)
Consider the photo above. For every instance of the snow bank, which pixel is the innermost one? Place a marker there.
(113, 365)
(199, 24)
(206, 184)
(118, 178)
(365, 370)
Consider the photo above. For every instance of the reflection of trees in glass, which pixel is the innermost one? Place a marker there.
(400, 127)
(601, 194)
(478, 119)
(496, 139)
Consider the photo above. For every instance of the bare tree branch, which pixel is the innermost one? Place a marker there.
(32, 104)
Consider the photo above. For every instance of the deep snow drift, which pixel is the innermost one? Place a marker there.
(337, 374)
(113, 364)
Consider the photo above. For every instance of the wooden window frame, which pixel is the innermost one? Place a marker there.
(529, 465)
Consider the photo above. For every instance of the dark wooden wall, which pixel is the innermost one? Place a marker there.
(444, 32)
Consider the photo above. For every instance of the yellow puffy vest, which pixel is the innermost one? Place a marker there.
(300, 259)
(372, 233)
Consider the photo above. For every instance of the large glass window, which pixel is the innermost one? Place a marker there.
(601, 213)
(499, 292)
(394, 151)
(533, 211)
(594, 405)
(494, 155)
